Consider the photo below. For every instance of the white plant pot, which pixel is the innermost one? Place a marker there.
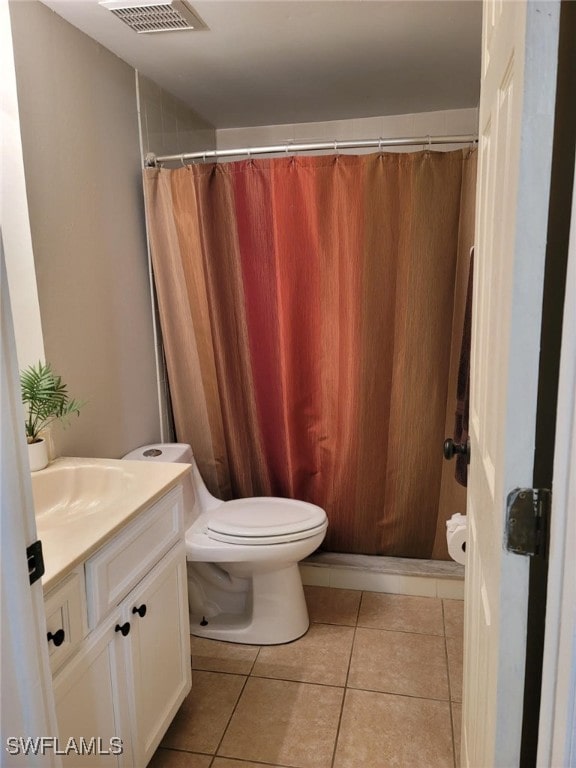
(38, 455)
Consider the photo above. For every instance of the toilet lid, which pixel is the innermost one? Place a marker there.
(265, 520)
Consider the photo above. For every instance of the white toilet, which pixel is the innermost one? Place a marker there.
(244, 585)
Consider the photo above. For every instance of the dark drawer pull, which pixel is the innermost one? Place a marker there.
(57, 637)
(141, 610)
(124, 628)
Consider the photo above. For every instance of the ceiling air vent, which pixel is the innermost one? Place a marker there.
(149, 16)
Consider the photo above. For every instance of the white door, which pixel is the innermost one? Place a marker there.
(557, 726)
(27, 710)
(519, 51)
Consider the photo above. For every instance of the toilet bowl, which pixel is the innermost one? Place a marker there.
(244, 584)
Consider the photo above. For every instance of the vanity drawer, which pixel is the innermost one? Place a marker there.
(116, 568)
(65, 617)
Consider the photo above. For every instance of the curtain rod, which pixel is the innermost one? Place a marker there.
(152, 159)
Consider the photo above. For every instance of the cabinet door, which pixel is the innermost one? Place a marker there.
(160, 644)
(92, 706)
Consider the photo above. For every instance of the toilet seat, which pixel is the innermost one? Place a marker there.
(264, 520)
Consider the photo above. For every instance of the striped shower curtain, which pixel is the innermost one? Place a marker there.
(310, 314)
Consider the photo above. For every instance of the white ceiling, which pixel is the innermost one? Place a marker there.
(265, 62)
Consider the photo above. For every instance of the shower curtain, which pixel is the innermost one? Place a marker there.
(308, 310)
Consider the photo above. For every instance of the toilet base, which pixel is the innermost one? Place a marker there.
(275, 612)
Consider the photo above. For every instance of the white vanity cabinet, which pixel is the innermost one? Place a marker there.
(126, 678)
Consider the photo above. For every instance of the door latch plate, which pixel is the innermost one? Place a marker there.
(527, 512)
(35, 561)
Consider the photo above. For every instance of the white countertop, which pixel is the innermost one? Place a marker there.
(70, 533)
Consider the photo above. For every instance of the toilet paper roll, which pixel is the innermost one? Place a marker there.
(457, 544)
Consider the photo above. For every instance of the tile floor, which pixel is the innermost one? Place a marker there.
(375, 683)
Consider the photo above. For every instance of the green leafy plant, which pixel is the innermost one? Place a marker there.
(46, 399)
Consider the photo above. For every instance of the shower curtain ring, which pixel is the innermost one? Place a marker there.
(182, 161)
(429, 143)
(379, 144)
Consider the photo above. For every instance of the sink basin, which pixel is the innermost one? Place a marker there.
(81, 503)
(64, 493)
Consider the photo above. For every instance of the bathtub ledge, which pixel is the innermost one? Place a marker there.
(396, 575)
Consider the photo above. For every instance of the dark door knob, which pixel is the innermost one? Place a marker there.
(124, 628)
(141, 610)
(56, 637)
(451, 449)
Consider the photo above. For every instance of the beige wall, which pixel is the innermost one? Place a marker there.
(454, 121)
(81, 144)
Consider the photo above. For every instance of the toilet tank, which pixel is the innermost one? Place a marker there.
(178, 453)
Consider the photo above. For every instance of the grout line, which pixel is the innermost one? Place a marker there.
(402, 631)
(298, 682)
(396, 693)
(214, 757)
(359, 606)
(331, 624)
(346, 684)
(254, 661)
(449, 686)
(242, 762)
(183, 750)
(337, 736)
(440, 635)
(352, 648)
(215, 754)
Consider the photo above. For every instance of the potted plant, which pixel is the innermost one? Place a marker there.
(46, 399)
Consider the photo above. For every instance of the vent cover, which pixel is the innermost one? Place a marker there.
(145, 17)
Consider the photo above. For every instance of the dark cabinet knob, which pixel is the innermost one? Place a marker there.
(57, 637)
(451, 449)
(141, 610)
(124, 628)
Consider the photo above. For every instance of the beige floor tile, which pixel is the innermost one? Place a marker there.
(401, 613)
(380, 731)
(457, 725)
(170, 758)
(333, 606)
(454, 618)
(399, 662)
(202, 718)
(321, 656)
(285, 723)
(216, 656)
(455, 648)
